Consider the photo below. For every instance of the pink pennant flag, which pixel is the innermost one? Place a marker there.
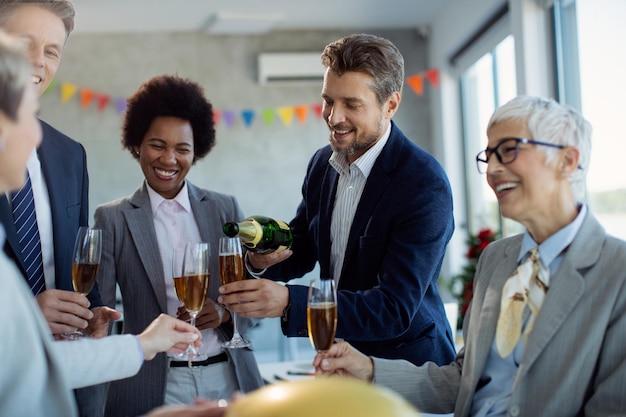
(432, 75)
(317, 110)
(103, 100)
(216, 116)
(416, 82)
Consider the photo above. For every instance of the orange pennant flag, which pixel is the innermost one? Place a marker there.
(286, 115)
(416, 82)
(103, 100)
(432, 75)
(85, 97)
(67, 91)
(301, 113)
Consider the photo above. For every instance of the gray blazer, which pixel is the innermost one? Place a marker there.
(575, 360)
(130, 258)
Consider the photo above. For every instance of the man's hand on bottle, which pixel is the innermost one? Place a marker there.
(255, 298)
(262, 261)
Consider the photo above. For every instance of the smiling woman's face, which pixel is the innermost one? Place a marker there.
(166, 154)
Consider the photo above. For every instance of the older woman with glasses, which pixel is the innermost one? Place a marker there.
(546, 330)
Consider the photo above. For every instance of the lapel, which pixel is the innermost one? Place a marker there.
(326, 204)
(567, 287)
(140, 224)
(483, 327)
(375, 186)
(205, 212)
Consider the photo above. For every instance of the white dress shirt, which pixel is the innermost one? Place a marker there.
(352, 180)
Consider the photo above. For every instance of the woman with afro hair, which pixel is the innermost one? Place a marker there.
(167, 127)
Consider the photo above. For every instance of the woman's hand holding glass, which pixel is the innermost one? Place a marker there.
(196, 277)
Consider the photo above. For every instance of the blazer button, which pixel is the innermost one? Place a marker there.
(514, 411)
(303, 332)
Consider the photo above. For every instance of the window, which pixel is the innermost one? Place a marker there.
(485, 85)
(591, 78)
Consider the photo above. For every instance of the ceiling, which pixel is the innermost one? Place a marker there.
(251, 16)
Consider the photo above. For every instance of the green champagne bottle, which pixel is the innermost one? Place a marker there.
(261, 234)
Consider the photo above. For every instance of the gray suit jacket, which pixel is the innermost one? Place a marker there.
(575, 360)
(130, 258)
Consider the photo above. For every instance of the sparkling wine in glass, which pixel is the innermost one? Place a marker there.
(178, 280)
(85, 263)
(322, 313)
(231, 270)
(196, 277)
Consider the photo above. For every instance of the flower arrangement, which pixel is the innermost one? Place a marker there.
(461, 285)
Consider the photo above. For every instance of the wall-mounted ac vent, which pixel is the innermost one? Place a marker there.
(290, 67)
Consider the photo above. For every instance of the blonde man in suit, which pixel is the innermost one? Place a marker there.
(568, 359)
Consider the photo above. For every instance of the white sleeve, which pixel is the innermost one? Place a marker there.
(94, 361)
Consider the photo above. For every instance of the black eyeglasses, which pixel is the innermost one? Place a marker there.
(506, 151)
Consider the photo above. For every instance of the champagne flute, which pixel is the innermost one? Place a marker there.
(85, 263)
(178, 254)
(231, 270)
(196, 278)
(322, 313)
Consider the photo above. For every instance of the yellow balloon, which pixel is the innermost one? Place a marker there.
(322, 397)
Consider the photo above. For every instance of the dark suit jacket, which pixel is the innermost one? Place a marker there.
(131, 259)
(388, 302)
(64, 167)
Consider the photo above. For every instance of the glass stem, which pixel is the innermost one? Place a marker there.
(236, 334)
(191, 350)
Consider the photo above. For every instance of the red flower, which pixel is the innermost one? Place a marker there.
(462, 284)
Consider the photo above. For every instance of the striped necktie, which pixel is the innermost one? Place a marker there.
(25, 219)
(526, 287)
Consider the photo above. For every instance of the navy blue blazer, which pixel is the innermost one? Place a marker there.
(388, 302)
(64, 167)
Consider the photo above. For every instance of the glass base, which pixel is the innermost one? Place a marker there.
(190, 355)
(236, 343)
(78, 334)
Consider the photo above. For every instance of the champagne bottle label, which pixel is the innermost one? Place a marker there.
(258, 234)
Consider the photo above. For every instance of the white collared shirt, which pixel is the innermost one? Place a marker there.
(44, 217)
(352, 180)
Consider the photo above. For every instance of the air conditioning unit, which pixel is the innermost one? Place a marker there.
(290, 67)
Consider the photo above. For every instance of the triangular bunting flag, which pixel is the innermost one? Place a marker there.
(301, 113)
(229, 117)
(103, 101)
(51, 86)
(268, 116)
(286, 115)
(317, 110)
(432, 75)
(85, 97)
(248, 117)
(67, 91)
(120, 105)
(217, 115)
(416, 82)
